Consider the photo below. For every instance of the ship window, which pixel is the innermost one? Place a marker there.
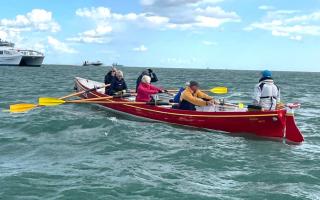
(1, 52)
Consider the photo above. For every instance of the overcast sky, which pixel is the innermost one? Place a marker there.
(234, 34)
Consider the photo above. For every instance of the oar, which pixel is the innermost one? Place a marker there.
(24, 107)
(49, 101)
(85, 91)
(215, 90)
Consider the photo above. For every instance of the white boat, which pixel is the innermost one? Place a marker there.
(87, 63)
(31, 58)
(8, 55)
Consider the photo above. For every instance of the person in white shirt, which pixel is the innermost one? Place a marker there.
(266, 92)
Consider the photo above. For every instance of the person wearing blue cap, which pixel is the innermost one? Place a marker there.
(266, 92)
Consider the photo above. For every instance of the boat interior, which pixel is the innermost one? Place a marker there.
(165, 98)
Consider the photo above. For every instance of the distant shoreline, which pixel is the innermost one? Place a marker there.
(157, 67)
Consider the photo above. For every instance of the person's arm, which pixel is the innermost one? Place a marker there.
(278, 97)
(124, 85)
(154, 77)
(138, 82)
(203, 95)
(152, 87)
(112, 87)
(192, 99)
(106, 79)
(151, 90)
(256, 95)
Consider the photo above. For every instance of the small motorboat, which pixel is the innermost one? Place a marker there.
(87, 63)
(279, 124)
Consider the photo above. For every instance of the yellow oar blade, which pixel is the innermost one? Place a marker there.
(219, 90)
(241, 105)
(24, 107)
(49, 101)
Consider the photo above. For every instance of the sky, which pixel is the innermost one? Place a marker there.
(217, 34)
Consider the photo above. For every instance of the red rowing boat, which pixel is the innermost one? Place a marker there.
(279, 125)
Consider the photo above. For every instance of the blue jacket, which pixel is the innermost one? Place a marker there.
(176, 98)
(117, 86)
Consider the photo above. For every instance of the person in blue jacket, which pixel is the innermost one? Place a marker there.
(118, 84)
(176, 98)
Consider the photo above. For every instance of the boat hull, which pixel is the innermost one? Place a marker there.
(33, 61)
(10, 60)
(270, 124)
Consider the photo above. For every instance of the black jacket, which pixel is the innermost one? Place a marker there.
(153, 76)
(108, 78)
(117, 85)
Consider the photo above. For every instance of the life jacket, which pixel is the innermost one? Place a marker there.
(186, 105)
(269, 93)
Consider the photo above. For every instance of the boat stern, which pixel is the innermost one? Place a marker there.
(292, 132)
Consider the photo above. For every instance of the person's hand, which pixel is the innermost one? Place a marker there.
(124, 91)
(210, 103)
(280, 106)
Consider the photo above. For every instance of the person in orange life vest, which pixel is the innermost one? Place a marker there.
(192, 97)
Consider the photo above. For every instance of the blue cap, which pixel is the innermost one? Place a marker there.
(266, 74)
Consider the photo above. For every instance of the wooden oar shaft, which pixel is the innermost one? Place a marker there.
(120, 102)
(178, 90)
(96, 99)
(106, 102)
(81, 92)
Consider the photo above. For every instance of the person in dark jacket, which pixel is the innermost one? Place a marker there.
(147, 72)
(118, 84)
(110, 75)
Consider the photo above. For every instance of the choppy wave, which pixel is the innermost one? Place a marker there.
(85, 152)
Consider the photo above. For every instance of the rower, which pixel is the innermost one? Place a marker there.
(148, 72)
(110, 75)
(146, 90)
(176, 98)
(118, 84)
(192, 97)
(266, 92)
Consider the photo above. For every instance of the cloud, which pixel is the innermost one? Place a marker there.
(175, 3)
(60, 46)
(97, 35)
(141, 48)
(266, 7)
(36, 20)
(289, 23)
(208, 43)
(188, 14)
(194, 14)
